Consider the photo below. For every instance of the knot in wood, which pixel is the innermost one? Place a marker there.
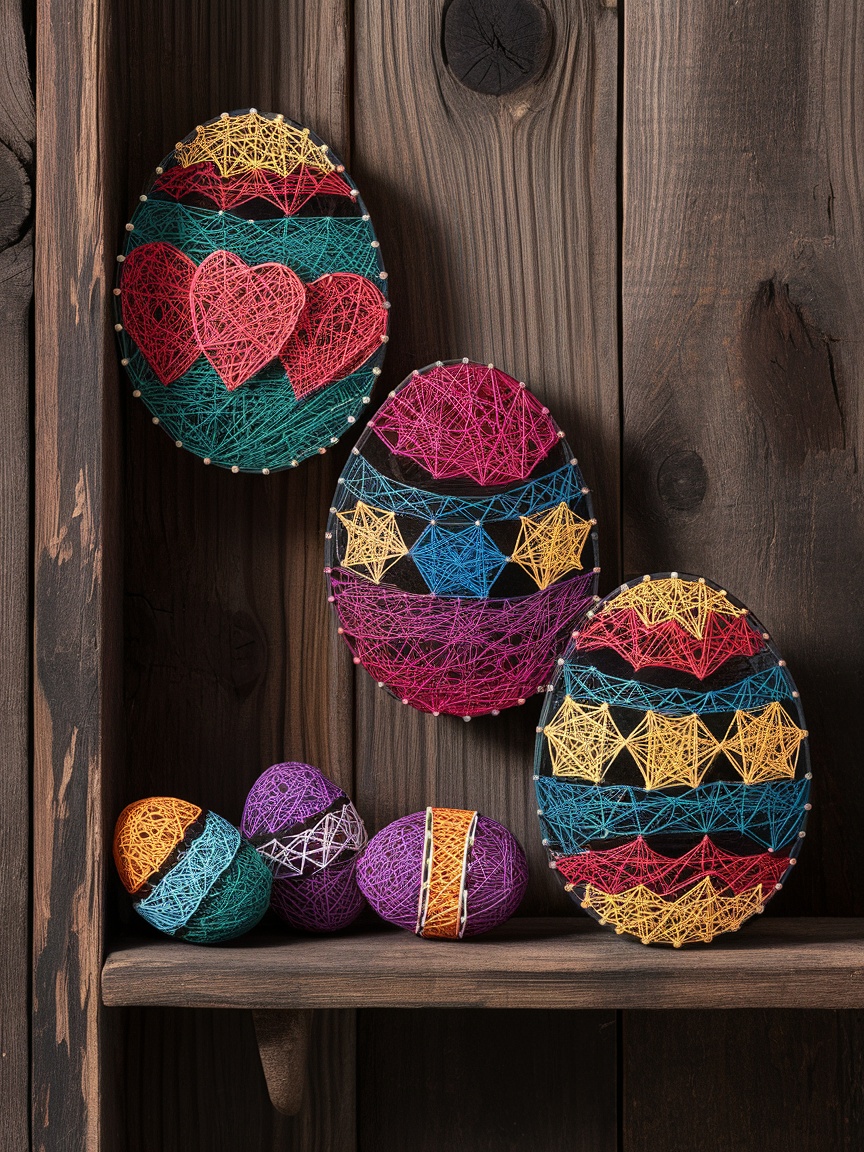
(496, 46)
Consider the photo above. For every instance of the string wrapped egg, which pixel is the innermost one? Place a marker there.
(445, 873)
(190, 873)
(309, 834)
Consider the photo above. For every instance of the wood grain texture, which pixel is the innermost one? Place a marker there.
(486, 1081)
(231, 662)
(736, 1081)
(17, 129)
(76, 647)
(527, 963)
(497, 222)
(743, 428)
(204, 1092)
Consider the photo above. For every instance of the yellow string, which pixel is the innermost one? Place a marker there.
(764, 745)
(584, 740)
(550, 543)
(700, 914)
(374, 541)
(250, 143)
(450, 835)
(687, 601)
(672, 749)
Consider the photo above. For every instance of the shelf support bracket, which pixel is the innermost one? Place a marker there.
(283, 1044)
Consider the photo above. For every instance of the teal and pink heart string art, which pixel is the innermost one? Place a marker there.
(251, 295)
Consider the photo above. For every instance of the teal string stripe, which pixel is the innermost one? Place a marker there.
(312, 246)
(364, 482)
(259, 425)
(574, 815)
(588, 685)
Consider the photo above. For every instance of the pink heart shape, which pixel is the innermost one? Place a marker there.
(242, 314)
(342, 323)
(154, 302)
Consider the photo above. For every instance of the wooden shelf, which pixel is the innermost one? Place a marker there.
(551, 963)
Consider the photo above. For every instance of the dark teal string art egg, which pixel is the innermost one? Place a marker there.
(190, 873)
(251, 295)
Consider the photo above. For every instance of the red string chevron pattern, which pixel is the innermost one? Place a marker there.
(636, 863)
(243, 315)
(467, 420)
(286, 193)
(669, 645)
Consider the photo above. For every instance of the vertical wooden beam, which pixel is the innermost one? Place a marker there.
(231, 660)
(77, 690)
(17, 127)
(743, 434)
(492, 184)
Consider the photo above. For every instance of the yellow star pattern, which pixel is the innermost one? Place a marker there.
(763, 745)
(699, 914)
(672, 749)
(374, 541)
(550, 543)
(583, 740)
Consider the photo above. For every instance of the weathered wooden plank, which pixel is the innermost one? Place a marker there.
(77, 671)
(231, 662)
(485, 1081)
(176, 1053)
(743, 429)
(17, 127)
(567, 962)
(743, 1080)
(496, 214)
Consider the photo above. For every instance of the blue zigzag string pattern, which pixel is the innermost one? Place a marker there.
(364, 482)
(591, 686)
(311, 245)
(465, 562)
(575, 814)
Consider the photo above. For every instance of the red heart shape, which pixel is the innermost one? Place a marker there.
(341, 325)
(242, 314)
(154, 301)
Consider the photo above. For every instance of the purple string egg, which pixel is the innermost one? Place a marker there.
(309, 834)
(444, 873)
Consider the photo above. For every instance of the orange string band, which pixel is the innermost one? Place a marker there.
(443, 906)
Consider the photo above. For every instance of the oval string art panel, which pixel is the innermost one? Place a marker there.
(251, 295)
(672, 770)
(461, 546)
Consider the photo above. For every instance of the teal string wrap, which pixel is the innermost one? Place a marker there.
(263, 190)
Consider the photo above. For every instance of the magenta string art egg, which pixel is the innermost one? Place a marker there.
(309, 834)
(461, 544)
(444, 873)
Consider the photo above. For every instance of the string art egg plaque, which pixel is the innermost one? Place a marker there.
(444, 873)
(461, 545)
(251, 295)
(190, 873)
(672, 769)
(309, 834)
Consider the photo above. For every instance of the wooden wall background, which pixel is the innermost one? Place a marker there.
(661, 230)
